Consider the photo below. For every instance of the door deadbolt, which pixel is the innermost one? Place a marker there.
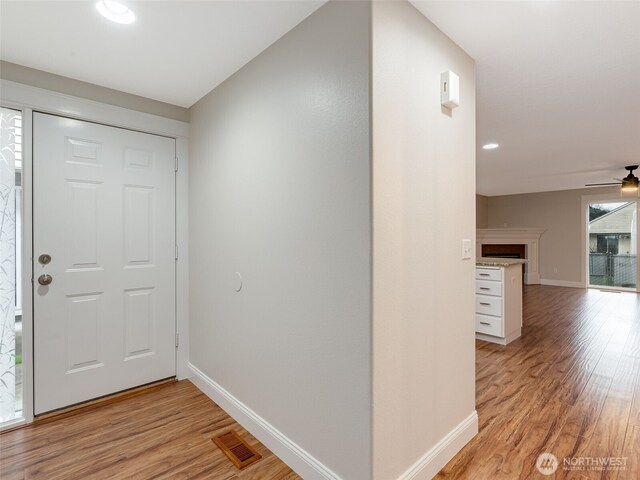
(45, 279)
(44, 259)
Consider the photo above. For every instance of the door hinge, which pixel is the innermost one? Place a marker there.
(176, 251)
(176, 164)
(177, 340)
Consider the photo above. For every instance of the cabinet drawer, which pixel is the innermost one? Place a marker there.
(489, 305)
(489, 325)
(488, 287)
(489, 273)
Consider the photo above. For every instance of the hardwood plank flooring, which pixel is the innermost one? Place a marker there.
(569, 386)
(163, 433)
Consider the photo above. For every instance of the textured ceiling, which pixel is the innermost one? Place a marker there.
(558, 82)
(176, 51)
(558, 87)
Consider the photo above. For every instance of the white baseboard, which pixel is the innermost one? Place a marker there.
(500, 340)
(436, 458)
(306, 465)
(293, 455)
(561, 283)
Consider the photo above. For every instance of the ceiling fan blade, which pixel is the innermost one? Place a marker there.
(628, 182)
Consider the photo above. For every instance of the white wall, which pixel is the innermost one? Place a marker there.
(423, 292)
(280, 192)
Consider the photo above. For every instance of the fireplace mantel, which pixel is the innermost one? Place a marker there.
(525, 236)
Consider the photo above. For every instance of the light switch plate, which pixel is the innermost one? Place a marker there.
(466, 249)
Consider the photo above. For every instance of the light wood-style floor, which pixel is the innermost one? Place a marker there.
(569, 386)
(163, 433)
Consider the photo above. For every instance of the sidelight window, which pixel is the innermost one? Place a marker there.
(10, 265)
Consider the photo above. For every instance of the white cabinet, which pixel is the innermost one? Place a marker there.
(489, 325)
(499, 302)
(486, 305)
(484, 287)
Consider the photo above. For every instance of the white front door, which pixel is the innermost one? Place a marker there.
(104, 212)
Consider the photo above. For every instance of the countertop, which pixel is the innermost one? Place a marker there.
(499, 262)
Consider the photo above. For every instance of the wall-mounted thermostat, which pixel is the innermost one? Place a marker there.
(449, 89)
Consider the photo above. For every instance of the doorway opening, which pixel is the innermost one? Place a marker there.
(613, 245)
(10, 265)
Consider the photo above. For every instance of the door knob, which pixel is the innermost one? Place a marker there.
(45, 279)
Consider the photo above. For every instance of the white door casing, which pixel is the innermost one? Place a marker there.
(104, 210)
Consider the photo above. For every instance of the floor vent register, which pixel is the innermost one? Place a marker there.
(236, 449)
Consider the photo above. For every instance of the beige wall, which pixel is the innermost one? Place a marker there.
(280, 192)
(69, 86)
(561, 214)
(482, 211)
(423, 292)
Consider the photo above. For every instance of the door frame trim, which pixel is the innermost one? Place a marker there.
(29, 99)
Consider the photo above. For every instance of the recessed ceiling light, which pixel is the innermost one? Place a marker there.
(115, 11)
(490, 146)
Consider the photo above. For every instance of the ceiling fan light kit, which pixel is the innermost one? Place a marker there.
(628, 184)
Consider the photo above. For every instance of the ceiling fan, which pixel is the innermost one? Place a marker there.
(629, 183)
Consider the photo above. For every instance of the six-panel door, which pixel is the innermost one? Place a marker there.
(104, 211)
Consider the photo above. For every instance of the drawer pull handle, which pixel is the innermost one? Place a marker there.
(485, 288)
(485, 323)
(485, 303)
(484, 275)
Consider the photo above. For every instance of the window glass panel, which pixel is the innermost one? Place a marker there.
(613, 244)
(10, 271)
